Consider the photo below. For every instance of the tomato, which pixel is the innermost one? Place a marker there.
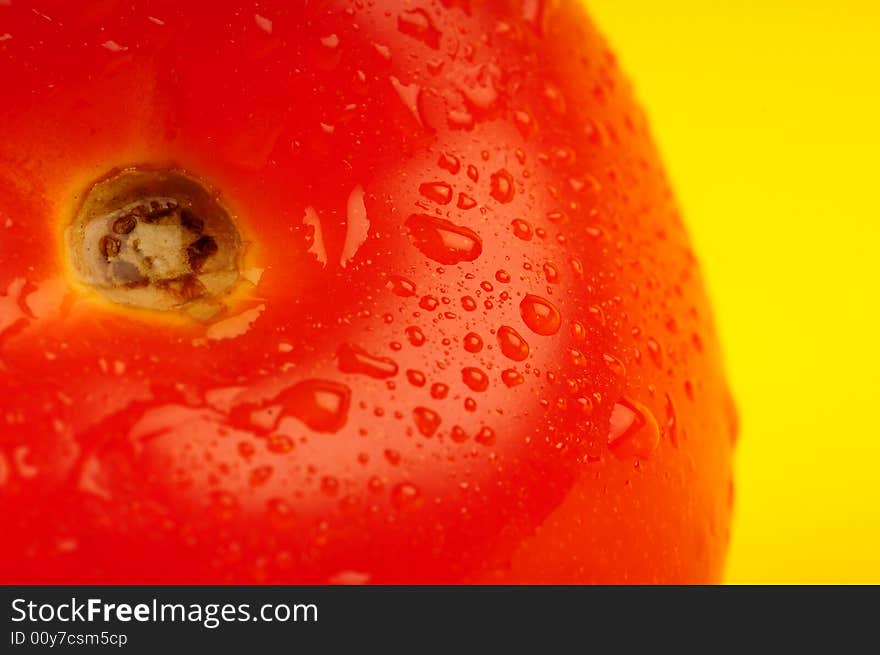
(351, 291)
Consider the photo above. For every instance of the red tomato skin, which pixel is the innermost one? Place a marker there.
(405, 176)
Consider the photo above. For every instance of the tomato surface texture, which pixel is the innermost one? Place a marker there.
(466, 339)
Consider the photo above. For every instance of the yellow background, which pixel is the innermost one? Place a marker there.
(767, 114)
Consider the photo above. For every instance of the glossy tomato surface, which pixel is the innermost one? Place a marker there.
(469, 342)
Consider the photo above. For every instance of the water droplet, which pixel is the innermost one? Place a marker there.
(551, 273)
(655, 352)
(353, 359)
(393, 457)
(553, 97)
(501, 185)
(329, 485)
(473, 173)
(439, 391)
(671, 421)
(468, 303)
(357, 226)
(416, 378)
(331, 41)
(260, 475)
(314, 236)
(280, 512)
(521, 229)
(417, 24)
(540, 315)
(414, 335)
(439, 192)
(474, 378)
(465, 201)
(279, 444)
(113, 46)
(470, 404)
(485, 437)
(429, 303)
(523, 121)
(320, 404)
(443, 241)
(578, 331)
(513, 346)
(383, 50)
(427, 420)
(473, 343)
(511, 377)
(449, 163)
(409, 95)
(406, 497)
(458, 435)
(263, 23)
(401, 286)
(614, 365)
(633, 430)
(502, 276)
(596, 314)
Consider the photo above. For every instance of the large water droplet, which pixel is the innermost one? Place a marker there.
(409, 95)
(521, 229)
(449, 163)
(475, 378)
(429, 303)
(353, 359)
(633, 430)
(540, 315)
(439, 192)
(357, 227)
(321, 404)
(473, 343)
(465, 201)
(513, 346)
(414, 335)
(614, 365)
(401, 286)
(501, 184)
(485, 437)
(655, 352)
(443, 241)
(439, 390)
(511, 377)
(427, 420)
(280, 444)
